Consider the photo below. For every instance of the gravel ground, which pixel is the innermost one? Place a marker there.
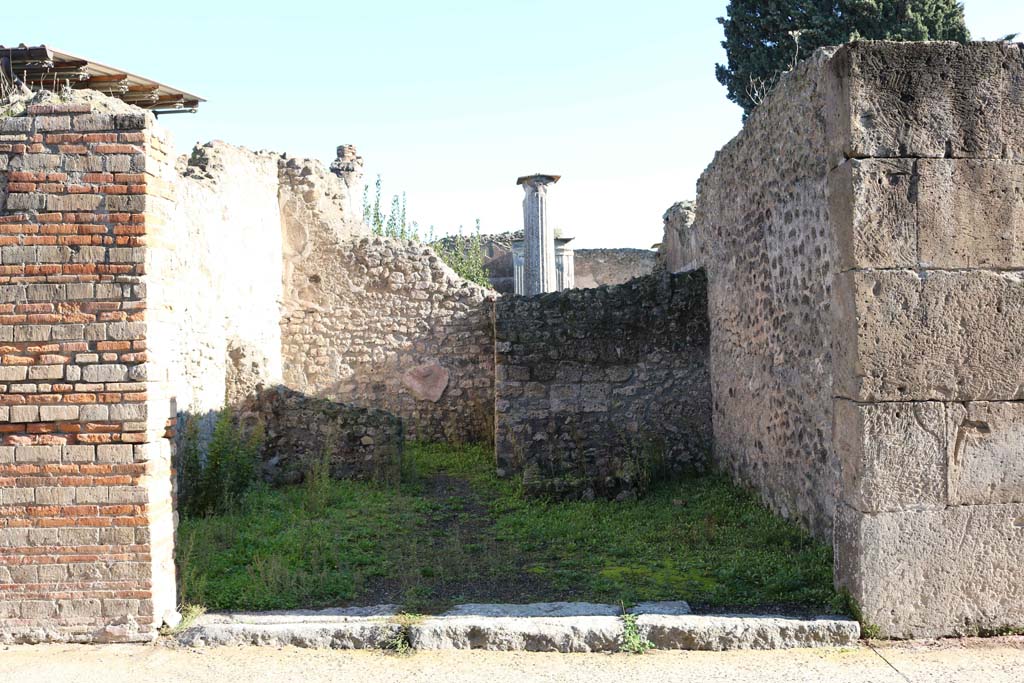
(990, 661)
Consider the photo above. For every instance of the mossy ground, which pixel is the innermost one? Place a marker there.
(453, 532)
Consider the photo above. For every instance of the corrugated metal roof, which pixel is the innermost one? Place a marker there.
(44, 67)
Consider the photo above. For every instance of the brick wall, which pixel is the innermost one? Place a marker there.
(86, 520)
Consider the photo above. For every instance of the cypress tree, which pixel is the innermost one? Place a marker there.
(765, 38)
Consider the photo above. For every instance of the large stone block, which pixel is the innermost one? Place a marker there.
(874, 219)
(971, 213)
(892, 455)
(985, 442)
(929, 335)
(915, 99)
(934, 572)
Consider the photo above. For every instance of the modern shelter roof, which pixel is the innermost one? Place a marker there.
(44, 67)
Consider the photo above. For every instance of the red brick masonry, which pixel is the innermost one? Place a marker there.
(84, 475)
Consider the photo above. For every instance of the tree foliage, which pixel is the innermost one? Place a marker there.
(766, 38)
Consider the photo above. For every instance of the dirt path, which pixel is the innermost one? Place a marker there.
(990, 661)
(456, 557)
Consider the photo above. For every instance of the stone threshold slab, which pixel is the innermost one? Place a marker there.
(539, 627)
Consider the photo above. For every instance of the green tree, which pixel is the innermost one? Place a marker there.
(766, 38)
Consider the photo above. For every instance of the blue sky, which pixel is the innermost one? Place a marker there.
(451, 100)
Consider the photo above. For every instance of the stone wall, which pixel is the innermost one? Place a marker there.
(219, 239)
(865, 295)
(86, 526)
(762, 226)
(597, 267)
(679, 250)
(302, 433)
(927, 203)
(598, 390)
(385, 324)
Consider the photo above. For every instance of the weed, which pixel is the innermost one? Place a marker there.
(846, 604)
(400, 642)
(317, 481)
(219, 483)
(633, 641)
(189, 614)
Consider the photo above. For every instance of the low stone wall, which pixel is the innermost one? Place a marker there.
(385, 324)
(598, 390)
(301, 432)
(597, 267)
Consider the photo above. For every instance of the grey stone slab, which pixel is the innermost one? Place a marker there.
(561, 634)
(928, 99)
(535, 609)
(985, 444)
(352, 635)
(746, 632)
(664, 607)
(664, 623)
(333, 614)
(971, 213)
(873, 213)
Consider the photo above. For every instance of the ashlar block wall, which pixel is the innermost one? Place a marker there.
(86, 515)
(863, 243)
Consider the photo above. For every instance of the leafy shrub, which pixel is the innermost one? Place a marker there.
(218, 484)
(394, 224)
(465, 255)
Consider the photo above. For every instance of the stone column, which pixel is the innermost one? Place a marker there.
(539, 274)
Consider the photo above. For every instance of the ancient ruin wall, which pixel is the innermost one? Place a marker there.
(927, 204)
(219, 241)
(385, 324)
(762, 227)
(679, 250)
(86, 527)
(600, 389)
(597, 267)
(866, 297)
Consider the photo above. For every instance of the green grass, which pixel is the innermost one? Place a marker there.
(453, 532)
